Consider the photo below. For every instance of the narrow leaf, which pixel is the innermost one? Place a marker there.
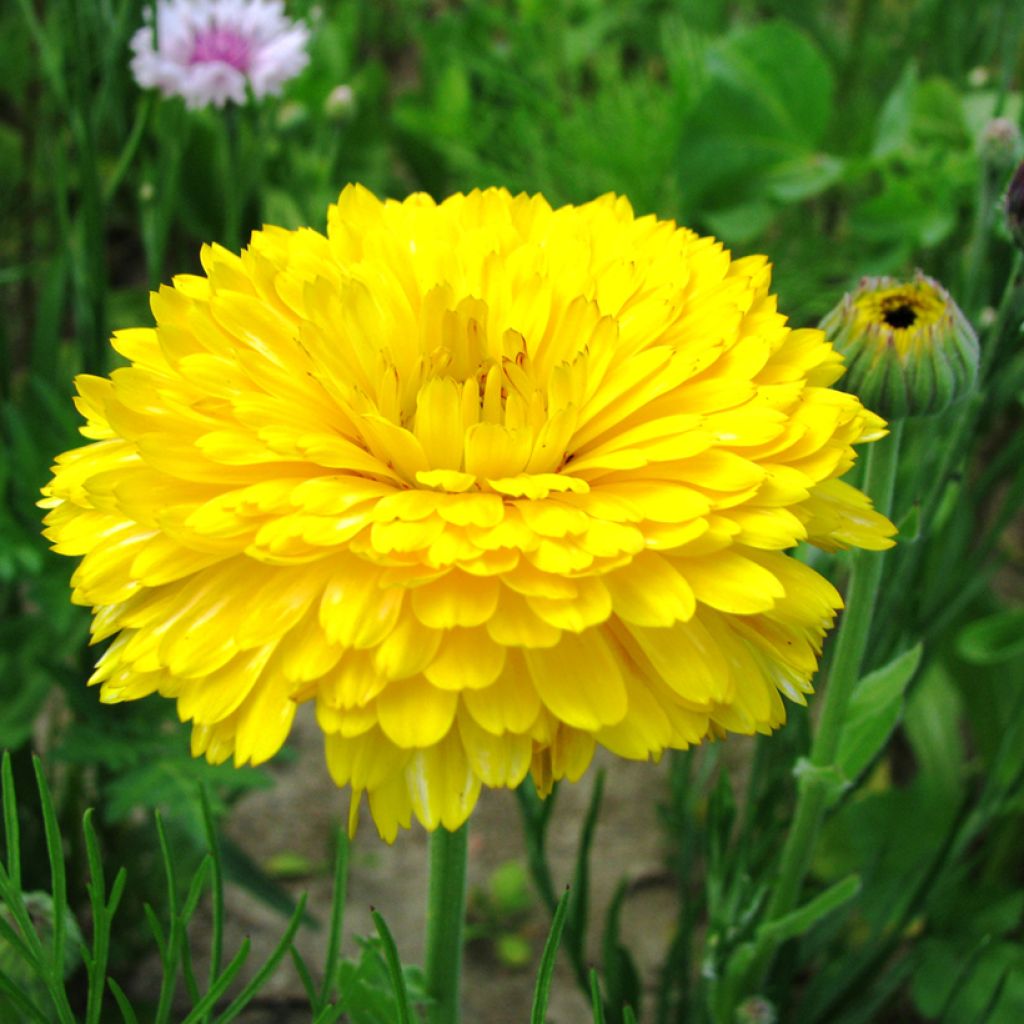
(542, 992)
(394, 965)
(801, 920)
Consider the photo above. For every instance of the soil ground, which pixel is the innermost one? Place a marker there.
(299, 815)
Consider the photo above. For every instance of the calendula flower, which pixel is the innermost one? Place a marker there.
(909, 349)
(213, 51)
(490, 482)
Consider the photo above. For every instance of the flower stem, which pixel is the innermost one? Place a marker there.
(446, 914)
(234, 190)
(851, 643)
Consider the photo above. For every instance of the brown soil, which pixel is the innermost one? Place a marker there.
(299, 816)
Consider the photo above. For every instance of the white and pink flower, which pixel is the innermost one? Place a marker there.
(215, 51)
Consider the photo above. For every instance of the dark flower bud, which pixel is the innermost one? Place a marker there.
(1013, 205)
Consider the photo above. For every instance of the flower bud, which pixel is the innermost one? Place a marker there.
(340, 102)
(1013, 206)
(1000, 144)
(909, 349)
(756, 1010)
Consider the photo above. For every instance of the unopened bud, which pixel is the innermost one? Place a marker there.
(1000, 144)
(756, 1010)
(909, 349)
(978, 77)
(1013, 206)
(340, 102)
(290, 115)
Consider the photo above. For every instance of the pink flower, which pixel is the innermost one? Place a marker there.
(211, 51)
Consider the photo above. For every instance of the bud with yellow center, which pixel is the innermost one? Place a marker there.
(909, 349)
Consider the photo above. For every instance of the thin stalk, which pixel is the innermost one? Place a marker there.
(172, 137)
(851, 644)
(234, 189)
(445, 923)
(131, 147)
(338, 895)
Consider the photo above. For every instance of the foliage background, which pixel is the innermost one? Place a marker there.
(843, 138)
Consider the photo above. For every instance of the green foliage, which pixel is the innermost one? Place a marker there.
(875, 709)
(41, 947)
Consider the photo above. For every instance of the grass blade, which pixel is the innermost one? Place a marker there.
(595, 998)
(260, 978)
(219, 986)
(394, 965)
(59, 893)
(216, 885)
(12, 834)
(332, 960)
(127, 1013)
(542, 992)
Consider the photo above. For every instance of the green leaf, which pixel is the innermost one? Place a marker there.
(576, 923)
(801, 920)
(932, 722)
(767, 104)
(993, 639)
(596, 1006)
(874, 711)
(785, 78)
(622, 979)
(892, 132)
(803, 177)
(741, 223)
(542, 990)
(394, 966)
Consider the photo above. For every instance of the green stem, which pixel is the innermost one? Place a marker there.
(235, 182)
(851, 644)
(445, 923)
(131, 146)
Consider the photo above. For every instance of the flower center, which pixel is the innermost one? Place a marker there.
(902, 315)
(222, 45)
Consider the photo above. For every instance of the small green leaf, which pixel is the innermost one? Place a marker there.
(394, 965)
(289, 864)
(513, 951)
(893, 129)
(596, 1006)
(542, 991)
(993, 639)
(874, 711)
(801, 920)
(803, 177)
(622, 979)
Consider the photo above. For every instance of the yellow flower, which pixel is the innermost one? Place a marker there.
(491, 483)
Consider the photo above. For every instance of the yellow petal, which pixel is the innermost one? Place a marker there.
(514, 624)
(496, 760)
(510, 704)
(590, 607)
(651, 591)
(456, 599)
(442, 786)
(355, 611)
(467, 659)
(579, 680)
(732, 583)
(413, 713)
